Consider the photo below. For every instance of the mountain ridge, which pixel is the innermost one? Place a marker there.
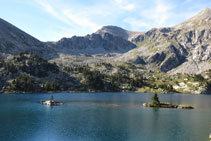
(186, 45)
(13, 41)
(93, 44)
(170, 47)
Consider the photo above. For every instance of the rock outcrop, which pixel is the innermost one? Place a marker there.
(93, 44)
(119, 32)
(168, 48)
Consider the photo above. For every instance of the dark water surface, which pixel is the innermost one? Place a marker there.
(103, 117)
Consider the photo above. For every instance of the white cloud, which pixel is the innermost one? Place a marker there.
(84, 18)
(119, 1)
(75, 19)
(79, 20)
(129, 7)
(51, 10)
(48, 8)
(125, 5)
(160, 13)
(136, 24)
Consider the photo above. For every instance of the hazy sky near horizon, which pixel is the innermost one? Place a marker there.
(50, 20)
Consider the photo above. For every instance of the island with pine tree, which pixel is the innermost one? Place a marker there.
(157, 104)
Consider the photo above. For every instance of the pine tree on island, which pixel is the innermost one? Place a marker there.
(155, 99)
(157, 104)
(51, 100)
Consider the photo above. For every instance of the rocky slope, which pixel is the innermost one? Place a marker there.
(182, 48)
(93, 44)
(13, 41)
(28, 72)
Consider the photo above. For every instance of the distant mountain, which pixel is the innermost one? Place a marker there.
(111, 59)
(185, 48)
(13, 41)
(119, 32)
(93, 44)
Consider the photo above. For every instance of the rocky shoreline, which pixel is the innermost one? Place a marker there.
(167, 105)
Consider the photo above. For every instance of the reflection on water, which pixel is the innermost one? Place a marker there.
(103, 116)
(106, 104)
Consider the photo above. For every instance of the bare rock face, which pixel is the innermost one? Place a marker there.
(94, 44)
(200, 21)
(170, 47)
(13, 41)
(171, 62)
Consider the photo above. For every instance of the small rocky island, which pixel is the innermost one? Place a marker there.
(51, 102)
(210, 137)
(157, 104)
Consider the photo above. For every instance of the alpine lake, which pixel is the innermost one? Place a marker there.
(103, 117)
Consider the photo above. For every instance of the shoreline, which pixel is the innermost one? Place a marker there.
(167, 105)
(52, 92)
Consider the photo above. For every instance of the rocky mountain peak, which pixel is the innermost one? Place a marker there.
(186, 45)
(200, 21)
(204, 15)
(119, 32)
(93, 44)
(13, 41)
(206, 12)
(8, 30)
(113, 30)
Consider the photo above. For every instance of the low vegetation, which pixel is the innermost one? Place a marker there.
(28, 72)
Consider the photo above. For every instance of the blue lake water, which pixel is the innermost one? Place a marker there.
(103, 117)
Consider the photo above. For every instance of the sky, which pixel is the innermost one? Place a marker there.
(50, 20)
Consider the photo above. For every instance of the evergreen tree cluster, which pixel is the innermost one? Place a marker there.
(34, 64)
(22, 83)
(8, 67)
(155, 99)
(51, 86)
(93, 80)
